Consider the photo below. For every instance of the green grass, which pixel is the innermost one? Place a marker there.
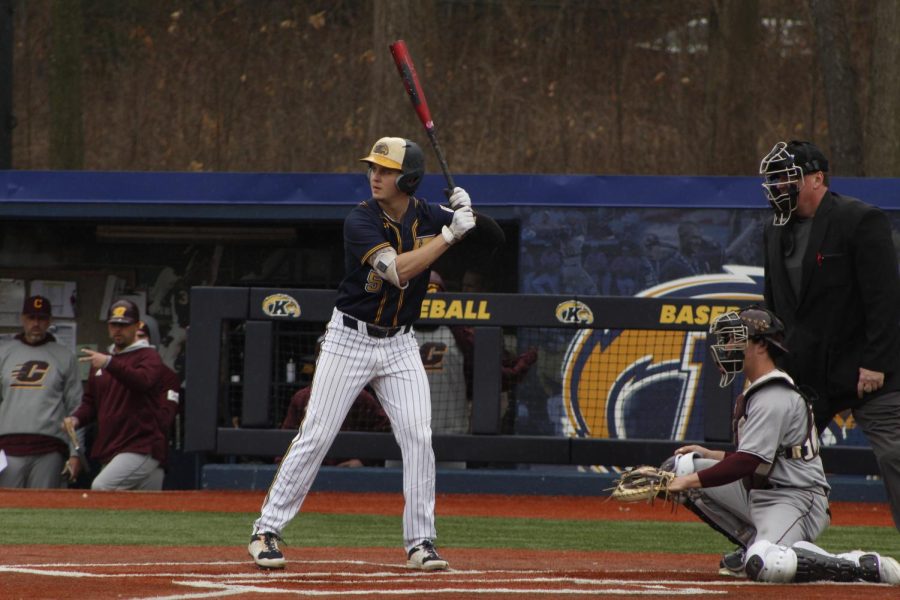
(107, 527)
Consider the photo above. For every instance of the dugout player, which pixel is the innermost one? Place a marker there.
(390, 242)
(39, 384)
(122, 397)
(169, 390)
(365, 414)
(770, 496)
(443, 362)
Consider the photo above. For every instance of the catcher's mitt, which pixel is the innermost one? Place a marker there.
(642, 484)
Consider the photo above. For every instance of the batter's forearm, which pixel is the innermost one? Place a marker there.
(410, 264)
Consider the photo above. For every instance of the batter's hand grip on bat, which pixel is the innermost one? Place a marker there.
(407, 70)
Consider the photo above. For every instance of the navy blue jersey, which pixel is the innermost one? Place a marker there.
(367, 229)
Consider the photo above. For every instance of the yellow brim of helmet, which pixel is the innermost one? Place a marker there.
(384, 161)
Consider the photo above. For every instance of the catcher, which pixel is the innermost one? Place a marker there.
(770, 496)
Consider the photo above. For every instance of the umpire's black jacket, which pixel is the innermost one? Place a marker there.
(848, 312)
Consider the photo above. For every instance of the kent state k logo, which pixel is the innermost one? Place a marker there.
(644, 384)
(281, 305)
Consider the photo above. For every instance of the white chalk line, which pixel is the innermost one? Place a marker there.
(329, 577)
(231, 590)
(218, 585)
(303, 562)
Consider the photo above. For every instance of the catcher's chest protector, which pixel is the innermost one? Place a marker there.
(807, 450)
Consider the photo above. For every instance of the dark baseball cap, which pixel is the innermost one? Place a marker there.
(37, 306)
(123, 311)
(807, 156)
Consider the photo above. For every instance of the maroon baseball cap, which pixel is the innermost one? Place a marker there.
(123, 311)
(37, 306)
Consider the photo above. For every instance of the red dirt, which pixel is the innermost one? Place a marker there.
(44, 571)
(179, 572)
(485, 505)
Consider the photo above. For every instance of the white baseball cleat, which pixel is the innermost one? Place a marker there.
(425, 558)
(888, 570)
(265, 552)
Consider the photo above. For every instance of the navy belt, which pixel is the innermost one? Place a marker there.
(376, 331)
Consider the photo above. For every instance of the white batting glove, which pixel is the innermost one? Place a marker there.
(459, 198)
(463, 221)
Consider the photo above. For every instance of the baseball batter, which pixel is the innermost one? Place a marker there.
(770, 496)
(390, 241)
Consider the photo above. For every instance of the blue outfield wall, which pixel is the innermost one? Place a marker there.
(567, 481)
(117, 189)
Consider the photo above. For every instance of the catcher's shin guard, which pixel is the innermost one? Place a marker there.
(812, 566)
(802, 563)
(771, 563)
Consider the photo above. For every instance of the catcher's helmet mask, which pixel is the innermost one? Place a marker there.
(402, 155)
(783, 169)
(733, 330)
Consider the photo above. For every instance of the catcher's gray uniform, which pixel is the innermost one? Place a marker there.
(780, 504)
(793, 505)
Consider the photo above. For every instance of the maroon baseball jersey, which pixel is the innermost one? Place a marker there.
(123, 400)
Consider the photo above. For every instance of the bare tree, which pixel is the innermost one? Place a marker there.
(547, 86)
(839, 78)
(393, 20)
(6, 81)
(882, 153)
(619, 55)
(734, 40)
(66, 128)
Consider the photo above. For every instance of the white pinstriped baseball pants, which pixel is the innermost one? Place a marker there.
(347, 362)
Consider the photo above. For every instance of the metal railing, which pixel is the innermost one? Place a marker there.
(260, 308)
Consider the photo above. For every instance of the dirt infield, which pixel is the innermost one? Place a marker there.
(482, 505)
(179, 572)
(184, 573)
